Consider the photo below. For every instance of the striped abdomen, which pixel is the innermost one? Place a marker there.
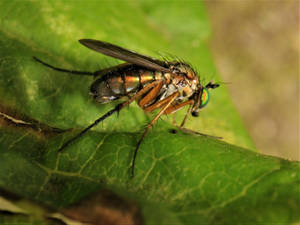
(123, 82)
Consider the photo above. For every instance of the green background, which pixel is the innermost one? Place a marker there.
(184, 179)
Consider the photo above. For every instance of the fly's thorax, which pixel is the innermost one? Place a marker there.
(186, 77)
(183, 69)
(183, 79)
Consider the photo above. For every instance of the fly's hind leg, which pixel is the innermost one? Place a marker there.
(167, 102)
(109, 113)
(86, 73)
(65, 70)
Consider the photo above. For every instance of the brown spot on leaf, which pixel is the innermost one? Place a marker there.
(105, 208)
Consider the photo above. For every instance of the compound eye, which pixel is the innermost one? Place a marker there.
(204, 97)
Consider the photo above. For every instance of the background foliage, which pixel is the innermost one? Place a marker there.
(184, 179)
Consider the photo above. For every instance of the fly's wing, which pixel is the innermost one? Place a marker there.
(124, 54)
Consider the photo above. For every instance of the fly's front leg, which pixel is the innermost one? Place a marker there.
(174, 119)
(167, 101)
(174, 108)
(174, 131)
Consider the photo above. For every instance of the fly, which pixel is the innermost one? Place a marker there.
(152, 83)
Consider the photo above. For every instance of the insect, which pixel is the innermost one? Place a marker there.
(154, 84)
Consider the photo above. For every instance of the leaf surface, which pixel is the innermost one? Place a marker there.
(185, 179)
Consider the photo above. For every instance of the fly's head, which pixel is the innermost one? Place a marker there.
(201, 97)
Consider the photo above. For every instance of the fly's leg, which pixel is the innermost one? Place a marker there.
(97, 73)
(174, 119)
(109, 113)
(167, 101)
(151, 95)
(65, 70)
(159, 104)
(174, 131)
(174, 108)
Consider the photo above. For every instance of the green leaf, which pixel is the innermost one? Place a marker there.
(186, 179)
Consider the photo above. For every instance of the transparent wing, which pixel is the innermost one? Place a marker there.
(124, 54)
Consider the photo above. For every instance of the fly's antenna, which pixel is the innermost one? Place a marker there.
(65, 70)
(225, 83)
(212, 85)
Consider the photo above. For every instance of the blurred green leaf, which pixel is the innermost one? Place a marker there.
(186, 179)
(7, 218)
